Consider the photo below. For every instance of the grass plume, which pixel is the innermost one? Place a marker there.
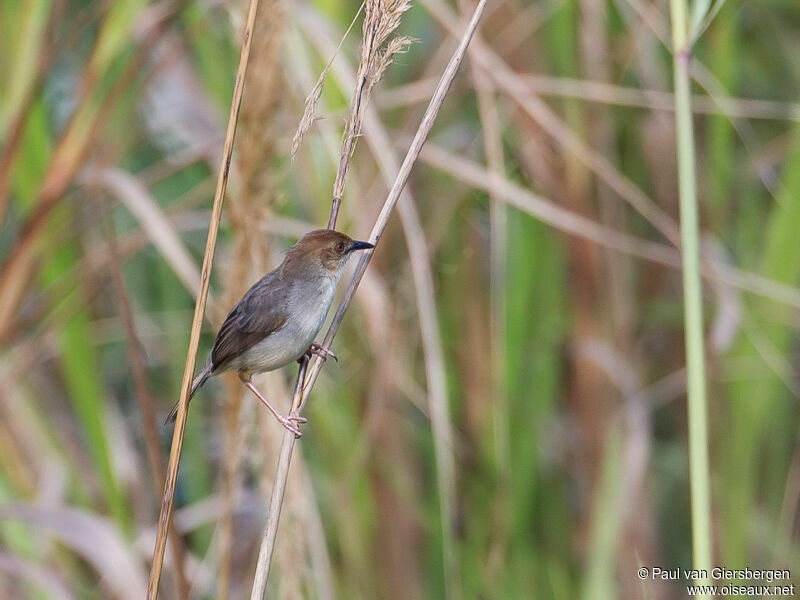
(381, 18)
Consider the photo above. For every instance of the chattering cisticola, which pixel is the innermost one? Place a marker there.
(276, 321)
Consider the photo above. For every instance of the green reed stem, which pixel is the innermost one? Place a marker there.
(692, 295)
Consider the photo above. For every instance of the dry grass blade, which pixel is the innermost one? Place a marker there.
(94, 538)
(469, 172)
(601, 92)
(299, 400)
(155, 224)
(381, 18)
(507, 80)
(34, 575)
(202, 297)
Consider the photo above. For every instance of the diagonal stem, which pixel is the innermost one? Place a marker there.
(394, 194)
(278, 489)
(299, 400)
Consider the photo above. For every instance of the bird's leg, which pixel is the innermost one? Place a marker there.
(285, 421)
(321, 351)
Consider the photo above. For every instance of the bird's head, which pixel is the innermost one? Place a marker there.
(323, 252)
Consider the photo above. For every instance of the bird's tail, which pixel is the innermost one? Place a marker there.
(197, 383)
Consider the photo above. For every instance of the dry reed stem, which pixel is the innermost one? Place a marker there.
(202, 298)
(144, 399)
(380, 142)
(299, 400)
(276, 498)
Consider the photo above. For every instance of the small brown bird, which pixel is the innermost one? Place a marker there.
(276, 321)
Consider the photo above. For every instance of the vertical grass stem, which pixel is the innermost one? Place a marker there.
(200, 307)
(692, 296)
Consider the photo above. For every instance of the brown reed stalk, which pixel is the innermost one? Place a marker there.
(436, 381)
(299, 399)
(200, 306)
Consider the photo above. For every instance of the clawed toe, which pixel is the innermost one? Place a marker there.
(322, 352)
(287, 423)
(297, 417)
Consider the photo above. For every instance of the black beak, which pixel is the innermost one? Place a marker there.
(360, 246)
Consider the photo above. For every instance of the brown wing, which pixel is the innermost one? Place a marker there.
(262, 311)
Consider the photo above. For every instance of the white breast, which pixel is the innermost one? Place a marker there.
(311, 302)
(316, 300)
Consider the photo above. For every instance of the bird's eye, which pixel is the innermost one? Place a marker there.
(340, 247)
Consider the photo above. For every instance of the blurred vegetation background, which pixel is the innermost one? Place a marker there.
(544, 213)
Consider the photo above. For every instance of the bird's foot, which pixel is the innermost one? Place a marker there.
(289, 423)
(321, 351)
(297, 417)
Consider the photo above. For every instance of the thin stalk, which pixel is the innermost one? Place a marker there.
(276, 497)
(692, 296)
(379, 141)
(287, 445)
(200, 307)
